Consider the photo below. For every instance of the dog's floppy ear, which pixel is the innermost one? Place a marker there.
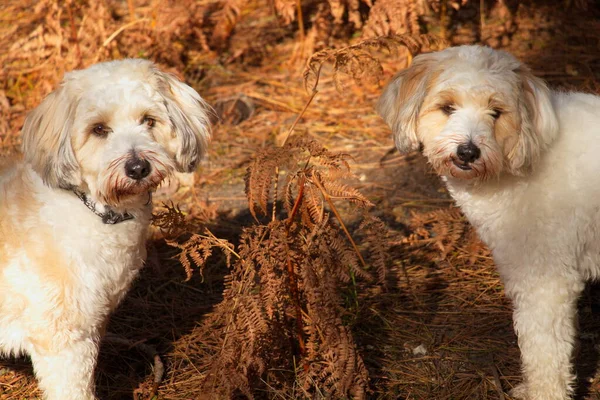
(46, 139)
(539, 124)
(402, 98)
(189, 116)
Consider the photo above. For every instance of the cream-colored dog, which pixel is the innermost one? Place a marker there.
(75, 211)
(523, 164)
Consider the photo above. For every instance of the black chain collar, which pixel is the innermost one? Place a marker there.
(109, 217)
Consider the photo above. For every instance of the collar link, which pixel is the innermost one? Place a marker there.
(109, 216)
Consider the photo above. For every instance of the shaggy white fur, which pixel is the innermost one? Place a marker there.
(522, 163)
(75, 209)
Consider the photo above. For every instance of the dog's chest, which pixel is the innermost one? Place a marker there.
(89, 263)
(106, 258)
(111, 261)
(536, 228)
(62, 268)
(502, 218)
(485, 213)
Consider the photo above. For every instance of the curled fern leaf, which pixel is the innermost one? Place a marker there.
(357, 60)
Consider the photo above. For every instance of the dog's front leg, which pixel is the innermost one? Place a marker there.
(67, 373)
(545, 318)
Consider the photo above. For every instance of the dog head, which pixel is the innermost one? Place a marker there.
(117, 130)
(475, 111)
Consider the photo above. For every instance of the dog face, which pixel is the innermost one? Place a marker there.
(117, 129)
(475, 111)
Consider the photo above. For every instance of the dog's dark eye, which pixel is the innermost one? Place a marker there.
(448, 109)
(496, 113)
(100, 130)
(149, 122)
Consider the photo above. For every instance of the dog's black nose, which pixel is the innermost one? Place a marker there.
(137, 168)
(468, 152)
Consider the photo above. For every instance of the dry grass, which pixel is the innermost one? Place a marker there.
(441, 327)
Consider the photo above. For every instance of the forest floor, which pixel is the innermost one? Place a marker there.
(440, 329)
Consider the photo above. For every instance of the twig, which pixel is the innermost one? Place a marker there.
(312, 96)
(275, 189)
(297, 203)
(339, 218)
(230, 249)
(158, 366)
(293, 282)
(497, 382)
(74, 38)
(444, 19)
(300, 19)
(131, 8)
(270, 101)
(481, 17)
(121, 29)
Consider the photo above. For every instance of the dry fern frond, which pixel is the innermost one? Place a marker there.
(348, 9)
(286, 10)
(441, 231)
(171, 221)
(395, 17)
(337, 8)
(297, 152)
(195, 249)
(339, 191)
(314, 209)
(283, 301)
(357, 61)
(376, 235)
(322, 27)
(198, 248)
(225, 20)
(260, 175)
(354, 16)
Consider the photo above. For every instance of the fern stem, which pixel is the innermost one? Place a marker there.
(275, 189)
(300, 20)
(118, 31)
(312, 96)
(223, 243)
(444, 19)
(293, 281)
(131, 8)
(296, 203)
(481, 18)
(74, 37)
(339, 218)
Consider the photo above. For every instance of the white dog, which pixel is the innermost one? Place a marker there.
(75, 211)
(523, 164)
